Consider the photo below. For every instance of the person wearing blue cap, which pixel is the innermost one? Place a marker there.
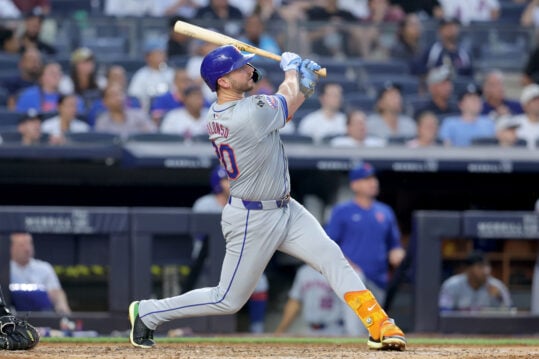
(368, 234)
(214, 202)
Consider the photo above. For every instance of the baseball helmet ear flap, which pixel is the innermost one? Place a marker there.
(220, 62)
(256, 74)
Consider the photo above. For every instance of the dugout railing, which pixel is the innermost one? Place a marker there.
(429, 229)
(127, 241)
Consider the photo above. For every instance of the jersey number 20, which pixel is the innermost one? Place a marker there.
(226, 156)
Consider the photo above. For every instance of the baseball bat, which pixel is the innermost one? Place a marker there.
(214, 37)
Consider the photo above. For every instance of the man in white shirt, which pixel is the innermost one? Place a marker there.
(189, 120)
(356, 124)
(328, 120)
(529, 120)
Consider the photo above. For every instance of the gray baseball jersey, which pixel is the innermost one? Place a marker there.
(321, 309)
(257, 221)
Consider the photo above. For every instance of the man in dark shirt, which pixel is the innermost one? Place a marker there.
(30, 64)
(225, 14)
(33, 21)
(440, 89)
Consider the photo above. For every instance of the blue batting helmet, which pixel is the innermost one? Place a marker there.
(218, 174)
(222, 61)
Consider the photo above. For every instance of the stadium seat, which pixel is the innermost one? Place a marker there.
(8, 118)
(485, 141)
(296, 138)
(398, 140)
(409, 84)
(156, 137)
(203, 138)
(10, 136)
(389, 67)
(359, 100)
(101, 138)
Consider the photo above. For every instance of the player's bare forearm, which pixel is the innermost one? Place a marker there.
(289, 88)
(290, 312)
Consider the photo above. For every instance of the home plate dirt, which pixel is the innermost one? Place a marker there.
(266, 350)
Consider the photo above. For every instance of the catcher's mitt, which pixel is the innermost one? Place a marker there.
(17, 334)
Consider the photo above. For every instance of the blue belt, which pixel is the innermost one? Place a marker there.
(271, 204)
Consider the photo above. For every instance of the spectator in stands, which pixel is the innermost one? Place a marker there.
(368, 233)
(115, 75)
(66, 121)
(530, 15)
(268, 10)
(30, 128)
(118, 118)
(153, 79)
(42, 97)
(128, 7)
(189, 120)
(427, 131)
(408, 43)
(9, 42)
(460, 130)
(506, 132)
(225, 17)
(331, 34)
(255, 34)
(82, 79)
(389, 121)
(177, 44)
(25, 269)
(33, 21)
(475, 289)
(328, 119)
(356, 133)
(447, 50)
(530, 72)
(424, 8)
(466, 11)
(529, 120)
(173, 98)
(29, 65)
(172, 8)
(200, 49)
(440, 89)
(495, 104)
(26, 6)
(9, 10)
(321, 309)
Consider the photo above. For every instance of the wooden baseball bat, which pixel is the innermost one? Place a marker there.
(214, 37)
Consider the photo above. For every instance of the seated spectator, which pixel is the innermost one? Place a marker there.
(475, 289)
(255, 34)
(530, 72)
(427, 131)
(120, 120)
(177, 44)
(82, 79)
(268, 10)
(200, 49)
(506, 132)
(447, 50)
(29, 127)
(440, 89)
(153, 79)
(530, 15)
(42, 97)
(175, 8)
(225, 17)
(173, 98)
(408, 44)
(495, 104)
(529, 120)
(115, 75)
(9, 42)
(29, 65)
(460, 130)
(25, 6)
(328, 119)
(66, 121)
(356, 133)
(321, 309)
(388, 120)
(33, 22)
(424, 8)
(128, 7)
(466, 11)
(331, 35)
(189, 120)
(25, 269)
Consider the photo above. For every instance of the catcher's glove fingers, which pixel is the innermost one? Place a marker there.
(17, 334)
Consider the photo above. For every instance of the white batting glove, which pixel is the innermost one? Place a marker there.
(290, 61)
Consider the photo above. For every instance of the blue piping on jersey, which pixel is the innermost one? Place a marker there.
(214, 110)
(285, 106)
(229, 285)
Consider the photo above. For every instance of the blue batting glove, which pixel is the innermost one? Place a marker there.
(290, 61)
(308, 78)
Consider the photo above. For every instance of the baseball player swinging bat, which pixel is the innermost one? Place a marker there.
(214, 37)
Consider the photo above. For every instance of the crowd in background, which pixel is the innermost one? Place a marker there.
(441, 97)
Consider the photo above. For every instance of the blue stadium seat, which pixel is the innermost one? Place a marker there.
(359, 100)
(10, 136)
(8, 118)
(156, 137)
(296, 138)
(389, 67)
(101, 138)
(409, 84)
